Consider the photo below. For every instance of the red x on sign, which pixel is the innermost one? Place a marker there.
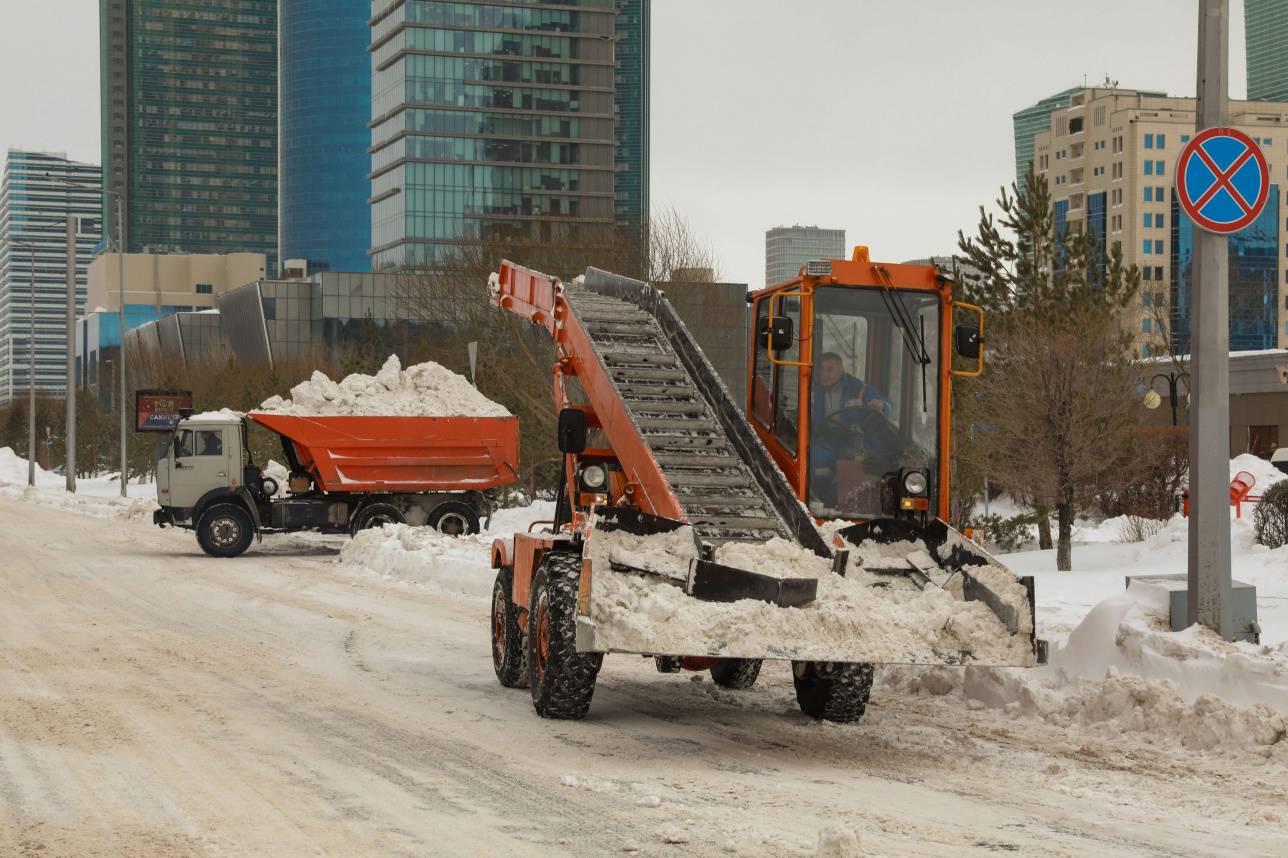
(1222, 180)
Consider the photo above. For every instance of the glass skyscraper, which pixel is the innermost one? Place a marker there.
(325, 105)
(189, 123)
(631, 102)
(33, 252)
(1265, 33)
(1253, 279)
(493, 123)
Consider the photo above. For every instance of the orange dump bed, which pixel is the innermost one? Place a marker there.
(402, 454)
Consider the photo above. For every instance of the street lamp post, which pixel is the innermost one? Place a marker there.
(1172, 379)
(31, 362)
(120, 316)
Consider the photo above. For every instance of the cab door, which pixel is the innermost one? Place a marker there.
(778, 410)
(200, 461)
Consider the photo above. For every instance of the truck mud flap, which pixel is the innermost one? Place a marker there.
(706, 579)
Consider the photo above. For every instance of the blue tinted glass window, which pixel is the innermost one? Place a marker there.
(1149, 168)
(1149, 220)
(1149, 141)
(1158, 168)
(1161, 140)
(1144, 326)
(1147, 246)
(1149, 194)
(1158, 247)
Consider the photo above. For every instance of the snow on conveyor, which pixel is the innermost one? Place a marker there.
(424, 390)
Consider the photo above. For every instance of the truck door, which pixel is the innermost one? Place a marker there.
(200, 457)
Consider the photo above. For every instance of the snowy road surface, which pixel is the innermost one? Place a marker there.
(154, 701)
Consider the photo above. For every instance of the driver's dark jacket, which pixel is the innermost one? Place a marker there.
(853, 392)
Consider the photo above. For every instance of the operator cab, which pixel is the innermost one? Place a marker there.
(848, 390)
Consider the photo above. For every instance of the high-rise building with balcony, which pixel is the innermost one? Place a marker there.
(189, 124)
(496, 123)
(34, 210)
(787, 248)
(1108, 158)
(1265, 33)
(324, 101)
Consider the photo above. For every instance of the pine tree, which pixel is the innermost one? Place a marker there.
(1059, 388)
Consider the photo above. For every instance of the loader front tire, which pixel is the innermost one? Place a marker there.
(562, 680)
(509, 650)
(832, 690)
(736, 672)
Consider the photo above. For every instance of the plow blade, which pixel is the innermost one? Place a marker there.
(650, 587)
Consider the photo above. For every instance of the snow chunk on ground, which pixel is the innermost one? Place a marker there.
(423, 555)
(424, 390)
(836, 842)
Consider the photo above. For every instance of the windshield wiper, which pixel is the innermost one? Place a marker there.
(914, 338)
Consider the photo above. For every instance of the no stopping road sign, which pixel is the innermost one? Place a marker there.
(1222, 180)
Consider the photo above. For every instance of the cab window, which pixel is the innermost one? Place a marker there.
(183, 444)
(787, 400)
(210, 442)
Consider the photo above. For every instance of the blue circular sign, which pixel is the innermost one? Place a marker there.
(1222, 180)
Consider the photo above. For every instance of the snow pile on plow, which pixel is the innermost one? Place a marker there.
(856, 617)
(423, 390)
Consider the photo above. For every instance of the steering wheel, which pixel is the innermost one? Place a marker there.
(845, 426)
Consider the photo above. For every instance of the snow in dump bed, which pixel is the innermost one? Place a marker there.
(424, 390)
(848, 621)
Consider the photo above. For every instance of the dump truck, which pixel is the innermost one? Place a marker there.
(807, 526)
(345, 474)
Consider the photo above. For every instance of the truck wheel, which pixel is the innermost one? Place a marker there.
(225, 530)
(509, 649)
(562, 680)
(832, 690)
(377, 515)
(736, 672)
(454, 519)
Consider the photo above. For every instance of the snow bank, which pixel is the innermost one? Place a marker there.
(848, 621)
(1122, 671)
(1266, 474)
(422, 555)
(95, 496)
(424, 390)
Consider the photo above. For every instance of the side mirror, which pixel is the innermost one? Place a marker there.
(968, 341)
(572, 431)
(776, 335)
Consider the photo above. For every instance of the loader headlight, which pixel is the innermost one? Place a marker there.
(915, 483)
(594, 477)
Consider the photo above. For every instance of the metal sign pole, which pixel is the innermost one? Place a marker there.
(1209, 537)
(70, 396)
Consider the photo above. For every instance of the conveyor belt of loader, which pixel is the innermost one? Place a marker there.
(715, 466)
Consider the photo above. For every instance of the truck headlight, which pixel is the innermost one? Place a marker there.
(594, 477)
(915, 483)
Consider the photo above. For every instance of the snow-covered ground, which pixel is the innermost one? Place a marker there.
(349, 681)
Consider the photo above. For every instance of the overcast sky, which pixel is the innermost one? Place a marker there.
(891, 119)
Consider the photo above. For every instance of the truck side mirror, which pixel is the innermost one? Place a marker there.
(777, 334)
(967, 341)
(572, 430)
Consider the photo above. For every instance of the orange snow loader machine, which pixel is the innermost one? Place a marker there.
(684, 530)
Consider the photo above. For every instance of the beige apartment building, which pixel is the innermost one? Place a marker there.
(1109, 157)
(184, 280)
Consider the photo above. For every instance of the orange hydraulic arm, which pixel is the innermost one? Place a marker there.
(540, 299)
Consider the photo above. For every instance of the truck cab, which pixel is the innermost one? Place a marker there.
(199, 457)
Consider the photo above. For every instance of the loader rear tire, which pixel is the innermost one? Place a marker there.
(832, 690)
(562, 680)
(509, 649)
(225, 530)
(736, 672)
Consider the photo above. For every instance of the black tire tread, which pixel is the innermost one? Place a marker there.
(739, 673)
(839, 694)
(470, 513)
(512, 670)
(569, 683)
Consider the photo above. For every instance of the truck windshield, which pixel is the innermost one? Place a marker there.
(874, 397)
